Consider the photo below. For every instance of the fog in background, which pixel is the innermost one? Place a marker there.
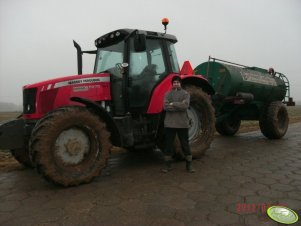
(36, 35)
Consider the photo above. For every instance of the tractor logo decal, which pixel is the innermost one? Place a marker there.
(82, 81)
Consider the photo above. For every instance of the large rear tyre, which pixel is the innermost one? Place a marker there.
(22, 156)
(70, 146)
(201, 114)
(274, 121)
(228, 127)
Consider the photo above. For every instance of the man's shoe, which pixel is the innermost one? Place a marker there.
(189, 167)
(167, 167)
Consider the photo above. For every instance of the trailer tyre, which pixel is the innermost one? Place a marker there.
(201, 114)
(274, 121)
(228, 127)
(70, 146)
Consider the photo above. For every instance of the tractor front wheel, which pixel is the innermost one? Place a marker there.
(70, 146)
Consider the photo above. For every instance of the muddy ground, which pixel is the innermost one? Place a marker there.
(8, 163)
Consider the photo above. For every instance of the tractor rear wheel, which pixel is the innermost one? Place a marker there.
(228, 127)
(70, 146)
(201, 114)
(274, 121)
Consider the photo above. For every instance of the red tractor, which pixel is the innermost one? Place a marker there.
(69, 124)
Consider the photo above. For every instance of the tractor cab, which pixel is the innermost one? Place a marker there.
(137, 61)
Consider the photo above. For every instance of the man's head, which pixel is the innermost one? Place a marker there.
(176, 81)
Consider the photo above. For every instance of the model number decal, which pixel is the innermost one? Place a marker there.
(80, 88)
(85, 88)
(81, 81)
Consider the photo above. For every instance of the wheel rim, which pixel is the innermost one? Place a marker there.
(71, 146)
(194, 129)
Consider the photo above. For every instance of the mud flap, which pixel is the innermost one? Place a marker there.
(12, 134)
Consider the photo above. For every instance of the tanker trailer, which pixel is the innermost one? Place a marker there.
(247, 93)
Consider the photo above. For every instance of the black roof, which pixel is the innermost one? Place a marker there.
(118, 35)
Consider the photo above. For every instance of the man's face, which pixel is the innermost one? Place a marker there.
(176, 84)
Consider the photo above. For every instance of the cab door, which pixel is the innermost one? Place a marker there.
(146, 68)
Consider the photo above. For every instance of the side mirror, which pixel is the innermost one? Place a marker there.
(140, 42)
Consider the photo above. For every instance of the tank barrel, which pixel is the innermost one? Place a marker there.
(229, 78)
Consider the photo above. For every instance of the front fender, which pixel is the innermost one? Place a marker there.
(103, 114)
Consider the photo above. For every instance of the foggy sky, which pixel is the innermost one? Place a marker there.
(36, 35)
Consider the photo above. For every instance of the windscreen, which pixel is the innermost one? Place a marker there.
(108, 57)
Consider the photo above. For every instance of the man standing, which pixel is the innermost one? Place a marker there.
(176, 103)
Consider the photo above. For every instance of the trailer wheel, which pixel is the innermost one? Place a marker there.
(274, 121)
(70, 146)
(22, 156)
(228, 127)
(201, 132)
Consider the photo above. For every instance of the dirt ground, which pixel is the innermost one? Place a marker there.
(234, 183)
(8, 163)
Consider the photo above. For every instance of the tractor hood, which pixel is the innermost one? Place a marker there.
(42, 97)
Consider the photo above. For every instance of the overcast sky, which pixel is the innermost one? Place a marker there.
(36, 35)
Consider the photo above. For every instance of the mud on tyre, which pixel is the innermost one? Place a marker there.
(274, 120)
(70, 146)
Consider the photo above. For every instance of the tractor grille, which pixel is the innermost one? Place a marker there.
(29, 100)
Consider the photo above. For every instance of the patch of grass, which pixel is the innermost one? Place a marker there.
(294, 112)
(9, 115)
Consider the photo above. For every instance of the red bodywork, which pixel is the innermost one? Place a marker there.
(156, 102)
(55, 93)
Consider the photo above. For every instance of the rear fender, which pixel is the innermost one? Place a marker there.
(104, 115)
(156, 101)
(199, 81)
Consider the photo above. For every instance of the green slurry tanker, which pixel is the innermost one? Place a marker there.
(247, 93)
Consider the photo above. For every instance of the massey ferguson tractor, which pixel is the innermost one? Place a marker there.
(69, 124)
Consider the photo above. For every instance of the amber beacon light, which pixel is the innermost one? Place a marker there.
(165, 22)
